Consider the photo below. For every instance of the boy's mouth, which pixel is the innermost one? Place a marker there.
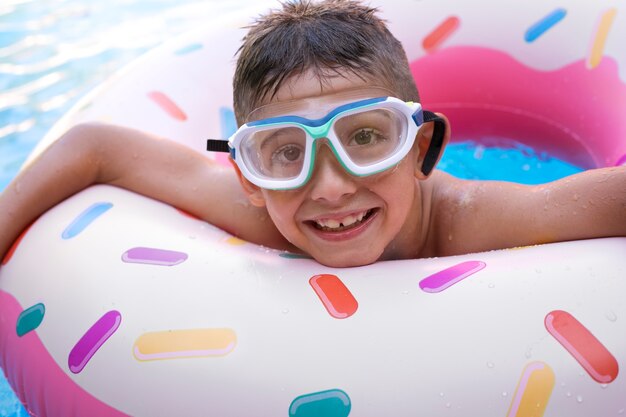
(346, 223)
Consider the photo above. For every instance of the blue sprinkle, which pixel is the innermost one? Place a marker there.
(188, 49)
(30, 319)
(544, 24)
(227, 122)
(84, 219)
(330, 403)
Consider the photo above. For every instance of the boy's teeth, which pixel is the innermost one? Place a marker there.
(345, 222)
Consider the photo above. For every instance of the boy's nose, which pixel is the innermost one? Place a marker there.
(330, 180)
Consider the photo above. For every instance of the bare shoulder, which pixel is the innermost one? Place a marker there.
(470, 216)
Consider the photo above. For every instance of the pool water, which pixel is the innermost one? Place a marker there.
(52, 52)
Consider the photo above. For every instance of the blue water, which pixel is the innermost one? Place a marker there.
(54, 51)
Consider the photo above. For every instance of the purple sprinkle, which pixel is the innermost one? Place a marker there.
(153, 256)
(441, 280)
(92, 340)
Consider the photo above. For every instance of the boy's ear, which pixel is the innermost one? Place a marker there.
(432, 139)
(254, 192)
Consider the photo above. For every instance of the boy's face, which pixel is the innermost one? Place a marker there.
(339, 219)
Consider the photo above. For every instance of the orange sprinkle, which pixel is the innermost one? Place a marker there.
(9, 254)
(599, 39)
(166, 103)
(441, 33)
(187, 214)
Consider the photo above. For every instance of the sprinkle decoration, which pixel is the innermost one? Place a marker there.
(335, 296)
(592, 355)
(84, 219)
(174, 344)
(533, 391)
(93, 340)
(599, 39)
(14, 246)
(544, 24)
(153, 256)
(330, 403)
(30, 319)
(441, 33)
(167, 105)
(235, 241)
(187, 49)
(444, 279)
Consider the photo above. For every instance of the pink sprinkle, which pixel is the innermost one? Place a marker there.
(441, 280)
(168, 105)
(92, 340)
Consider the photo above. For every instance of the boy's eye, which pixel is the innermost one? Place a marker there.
(287, 154)
(365, 136)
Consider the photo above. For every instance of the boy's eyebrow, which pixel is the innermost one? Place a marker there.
(274, 136)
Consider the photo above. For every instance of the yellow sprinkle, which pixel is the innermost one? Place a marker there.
(184, 343)
(597, 47)
(235, 241)
(533, 391)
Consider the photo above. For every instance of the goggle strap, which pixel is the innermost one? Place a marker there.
(436, 142)
(217, 145)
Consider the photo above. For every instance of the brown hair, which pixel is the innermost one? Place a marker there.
(326, 37)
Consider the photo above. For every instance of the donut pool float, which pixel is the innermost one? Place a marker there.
(113, 304)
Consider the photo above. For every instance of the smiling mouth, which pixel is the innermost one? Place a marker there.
(340, 225)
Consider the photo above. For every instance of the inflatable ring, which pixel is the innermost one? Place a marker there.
(113, 304)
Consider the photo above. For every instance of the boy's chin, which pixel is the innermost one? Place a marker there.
(339, 260)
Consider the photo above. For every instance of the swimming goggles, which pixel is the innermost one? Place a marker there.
(367, 137)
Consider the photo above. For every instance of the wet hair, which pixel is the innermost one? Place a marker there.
(328, 38)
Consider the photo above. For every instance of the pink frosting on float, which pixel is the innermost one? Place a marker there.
(45, 387)
(573, 113)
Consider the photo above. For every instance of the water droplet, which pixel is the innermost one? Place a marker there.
(603, 386)
(450, 237)
(576, 197)
(538, 270)
(621, 411)
(579, 399)
(610, 315)
(441, 394)
(504, 393)
(491, 285)
(528, 353)
(405, 292)
(285, 311)
(192, 236)
(448, 405)
(490, 365)
(568, 394)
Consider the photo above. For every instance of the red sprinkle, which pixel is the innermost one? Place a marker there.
(166, 103)
(441, 33)
(335, 296)
(11, 251)
(599, 363)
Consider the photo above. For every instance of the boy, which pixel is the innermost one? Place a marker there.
(362, 191)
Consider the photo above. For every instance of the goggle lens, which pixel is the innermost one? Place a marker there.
(372, 136)
(279, 151)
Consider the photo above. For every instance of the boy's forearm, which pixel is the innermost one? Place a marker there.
(587, 205)
(66, 167)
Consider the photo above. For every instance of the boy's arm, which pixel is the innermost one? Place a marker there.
(473, 216)
(158, 168)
